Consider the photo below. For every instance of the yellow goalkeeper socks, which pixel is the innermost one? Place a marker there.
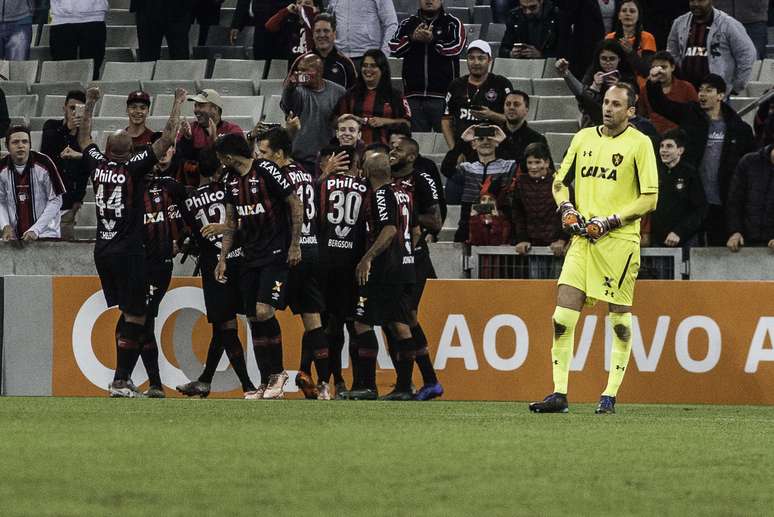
(561, 352)
(622, 347)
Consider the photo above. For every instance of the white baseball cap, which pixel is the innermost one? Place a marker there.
(481, 45)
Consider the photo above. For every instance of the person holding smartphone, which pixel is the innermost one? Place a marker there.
(534, 30)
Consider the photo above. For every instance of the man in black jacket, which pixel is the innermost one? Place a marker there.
(750, 206)
(517, 134)
(430, 43)
(717, 138)
(170, 19)
(533, 31)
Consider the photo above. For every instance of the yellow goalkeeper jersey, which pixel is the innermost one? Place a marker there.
(609, 173)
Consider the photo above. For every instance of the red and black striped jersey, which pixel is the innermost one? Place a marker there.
(207, 205)
(304, 186)
(424, 195)
(163, 221)
(343, 201)
(391, 205)
(118, 193)
(263, 216)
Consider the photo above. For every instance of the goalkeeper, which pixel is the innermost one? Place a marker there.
(612, 169)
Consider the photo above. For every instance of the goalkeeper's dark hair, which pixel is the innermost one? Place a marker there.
(537, 150)
(676, 134)
(278, 139)
(234, 145)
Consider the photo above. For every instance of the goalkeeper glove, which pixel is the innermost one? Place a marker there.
(598, 227)
(572, 220)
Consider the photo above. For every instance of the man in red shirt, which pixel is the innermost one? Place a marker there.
(138, 109)
(675, 89)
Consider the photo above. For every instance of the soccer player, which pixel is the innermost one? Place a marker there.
(118, 180)
(304, 294)
(384, 274)
(427, 211)
(204, 210)
(269, 214)
(613, 168)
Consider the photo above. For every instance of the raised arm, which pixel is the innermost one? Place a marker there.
(167, 139)
(84, 130)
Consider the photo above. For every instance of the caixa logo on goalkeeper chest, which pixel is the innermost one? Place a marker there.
(603, 173)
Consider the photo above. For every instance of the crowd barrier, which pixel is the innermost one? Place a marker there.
(693, 342)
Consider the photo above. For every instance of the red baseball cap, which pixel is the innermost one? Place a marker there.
(138, 96)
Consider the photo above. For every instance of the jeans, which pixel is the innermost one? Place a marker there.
(426, 113)
(759, 35)
(500, 9)
(15, 39)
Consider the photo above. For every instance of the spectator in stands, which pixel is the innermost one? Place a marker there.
(763, 124)
(375, 100)
(517, 134)
(682, 205)
(256, 13)
(364, 25)
(337, 67)
(206, 13)
(534, 216)
(294, 25)
(501, 8)
(60, 143)
(534, 30)
(16, 30)
(638, 44)
(591, 20)
(717, 138)
(658, 18)
(476, 97)
(138, 108)
(170, 19)
(5, 119)
(753, 15)
(750, 209)
(707, 40)
(675, 89)
(30, 191)
(486, 174)
(314, 100)
(430, 43)
(78, 30)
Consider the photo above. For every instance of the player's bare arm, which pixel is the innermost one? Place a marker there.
(227, 243)
(167, 138)
(84, 130)
(431, 220)
(377, 248)
(296, 219)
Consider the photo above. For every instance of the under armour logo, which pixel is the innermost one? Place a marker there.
(556, 361)
(587, 153)
(152, 289)
(619, 367)
(608, 282)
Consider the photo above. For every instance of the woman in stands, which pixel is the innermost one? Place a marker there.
(374, 100)
(294, 24)
(638, 44)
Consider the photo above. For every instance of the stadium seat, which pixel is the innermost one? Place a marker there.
(522, 83)
(551, 107)
(14, 87)
(229, 87)
(397, 83)
(767, 71)
(740, 102)
(120, 17)
(119, 4)
(40, 54)
(242, 106)
(122, 88)
(271, 87)
(482, 14)
(472, 31)
(121, 36)
(119, 54)
(463, 13)
(400, 15)
(162, 105)
(72, 70)
(109, 123)
(756, 71)
(278, 69)
(58, 88)
(239, 69)
(272, 112)
(549, 71)
(226, 16)
(214, 52)
(558, 143)
(218, 36)
(495, 32)
(26, 71)
(408, 6)
(754, 89)
(555, 126)
(35, 139)
(549, 87)
(22, 105)
(43, 35)
(464, 67)
(396, 66)
(439, 144)
(52, 106)
(519, 67)
(36, 123)
(179, 69)
(426, 142)
(113, 106)
(142, 71)
(230, 3)
(167, 87)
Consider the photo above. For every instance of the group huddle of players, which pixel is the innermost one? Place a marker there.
(346, 249)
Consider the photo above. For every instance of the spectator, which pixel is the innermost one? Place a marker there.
(337, 67)
(5, 119)
(638, 44)
(430, 43)
(257, 13)
(489, 226)
(78, 31)
(486, 174)
(717, 138)
(138, 108)
(60, 143)
(675, 89)
(364, 25)
(679, 214)
(517, 134)
(659, 16)
(501, 8)
(764, 124)
(294, 25)
(753, 15)
(591, 20)
(534, 30)
(170, 20)
(750, 209)
(314, 100)
(30, 191)
(206, 13)
(375, 100)
(16, 30)
(535, 220)
(707, 40)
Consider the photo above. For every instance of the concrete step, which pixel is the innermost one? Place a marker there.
(85, 233)
(87, 215)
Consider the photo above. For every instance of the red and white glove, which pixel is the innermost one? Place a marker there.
(572, 220)
(598, 227)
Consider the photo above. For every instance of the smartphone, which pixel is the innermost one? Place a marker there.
(484, 131)
(302, 77)
(477, 107)
(482, 208)
(79, 110)
(519, 45)
(612, 73)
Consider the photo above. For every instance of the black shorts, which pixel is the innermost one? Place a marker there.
(379, 304)
(123, 282)
(340, 290)
(424, 270)
(263, 284)
(304, 294)
(158, 274)
(222, 301)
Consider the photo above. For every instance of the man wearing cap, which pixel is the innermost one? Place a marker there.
(138, 107)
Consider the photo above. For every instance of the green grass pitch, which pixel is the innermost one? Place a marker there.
(83, 457)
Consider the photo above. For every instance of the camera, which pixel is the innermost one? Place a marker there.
(484, 132)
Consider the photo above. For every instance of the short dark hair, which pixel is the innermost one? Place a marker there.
(664, 55)
(208, 163)
(278, 139)
(714, 81)
(377, 147)
(233, 144)
(78, 95)
(631, 93)
(400, 129)
(538, 150)
(413, 145)
(17, 129)
(325, 17)
(524, 96)
(676, 134)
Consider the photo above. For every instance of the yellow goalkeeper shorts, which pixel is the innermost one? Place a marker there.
(605, 270)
